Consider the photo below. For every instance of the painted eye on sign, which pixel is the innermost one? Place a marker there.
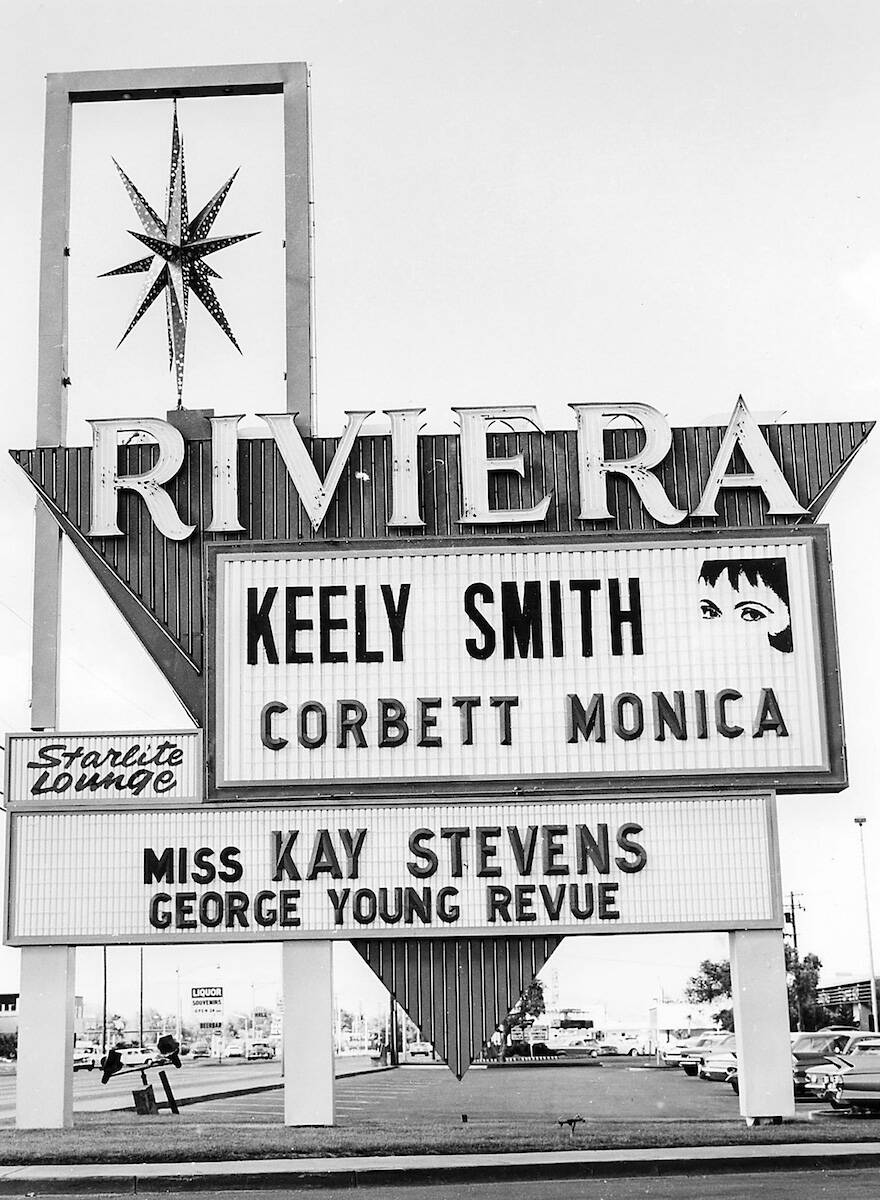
(543, 666)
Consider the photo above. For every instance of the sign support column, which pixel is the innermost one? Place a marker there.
(309, 1072)
(760, 1012)
(44, 1086)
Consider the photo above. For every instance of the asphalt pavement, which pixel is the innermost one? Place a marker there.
(782, 1185)
(495, 1096)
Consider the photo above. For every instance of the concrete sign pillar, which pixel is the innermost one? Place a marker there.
(760, 1013)
(309, 1073)
(44, 1082)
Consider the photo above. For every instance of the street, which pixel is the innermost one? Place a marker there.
(781, 1185)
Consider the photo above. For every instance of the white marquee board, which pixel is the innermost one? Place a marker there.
(255, 872)
(544, 666)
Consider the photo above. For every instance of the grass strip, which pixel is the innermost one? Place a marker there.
(122, 1137)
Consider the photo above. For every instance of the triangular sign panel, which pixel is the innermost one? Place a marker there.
(457, 990)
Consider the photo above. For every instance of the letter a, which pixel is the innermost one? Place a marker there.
(765, 474)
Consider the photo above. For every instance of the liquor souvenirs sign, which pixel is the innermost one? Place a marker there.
(262, 873)
(207, 1004)
(537, 667)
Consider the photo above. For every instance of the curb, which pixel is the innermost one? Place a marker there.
(538, 1061)
(204, 1098)
(250, 1175)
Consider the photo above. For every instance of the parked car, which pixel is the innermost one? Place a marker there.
(631, 1043)
(234, 1050)
(136, 1056)
(260, 1050)
(86, 1056)
(811, 1049)
(200, 1050)
(719, 1060)
(579, 1048)
(857, 1086)
(420, 1050)
(819, 1078)
(698, 1048)
(531, 1050)
(671, 1053)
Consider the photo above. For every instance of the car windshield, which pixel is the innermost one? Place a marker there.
(725, 1043)
(819, 1044)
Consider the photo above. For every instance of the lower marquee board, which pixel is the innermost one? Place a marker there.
(258, 872)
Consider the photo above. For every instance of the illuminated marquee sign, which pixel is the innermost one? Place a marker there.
(263, 873)
(146, 503)
(538, 666)
(95, 768)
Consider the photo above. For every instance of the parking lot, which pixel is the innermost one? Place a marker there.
(411, 1095)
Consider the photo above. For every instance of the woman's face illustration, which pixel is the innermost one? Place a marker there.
(750, 610)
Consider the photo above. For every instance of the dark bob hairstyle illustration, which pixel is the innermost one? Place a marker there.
(751, 590)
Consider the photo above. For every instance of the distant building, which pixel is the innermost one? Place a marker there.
(853, 995)
(8, 1012)
(668, 1020)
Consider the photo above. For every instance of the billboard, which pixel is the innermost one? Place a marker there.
(529, 666)
(258, 873)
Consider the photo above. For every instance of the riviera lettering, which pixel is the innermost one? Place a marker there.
(477, 468)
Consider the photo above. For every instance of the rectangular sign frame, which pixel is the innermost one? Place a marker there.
(16, 797)
(831, 778)
(696, 840)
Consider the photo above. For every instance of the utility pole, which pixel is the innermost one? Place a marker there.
(860, 821)
(141, 998)
(791, 919)
(392, 1032)
(104, 1017)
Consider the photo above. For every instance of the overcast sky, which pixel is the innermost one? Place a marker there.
(515, 202)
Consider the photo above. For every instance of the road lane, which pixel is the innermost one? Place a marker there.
(768, 1185)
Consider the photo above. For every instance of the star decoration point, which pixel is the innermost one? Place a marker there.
(176, 263)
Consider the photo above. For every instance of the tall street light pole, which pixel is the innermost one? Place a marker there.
(860, 821)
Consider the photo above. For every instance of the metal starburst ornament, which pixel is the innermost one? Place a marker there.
(176, 265)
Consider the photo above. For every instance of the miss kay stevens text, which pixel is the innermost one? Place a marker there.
(551, 852)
